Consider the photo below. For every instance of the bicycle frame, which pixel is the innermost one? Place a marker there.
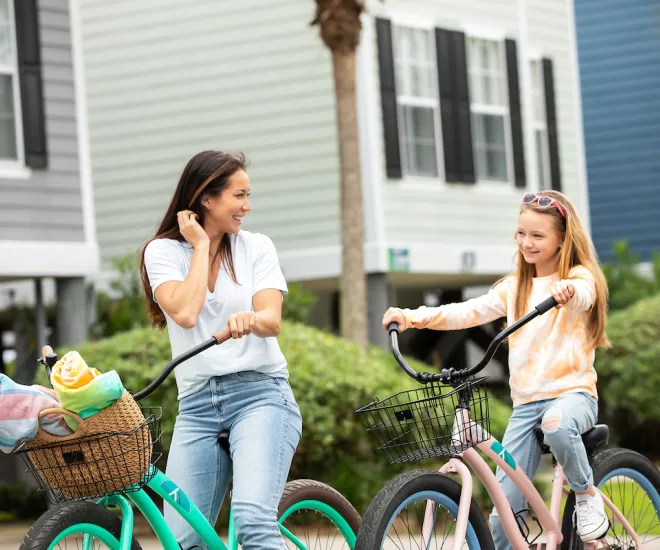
(173, 495)
(491, 447)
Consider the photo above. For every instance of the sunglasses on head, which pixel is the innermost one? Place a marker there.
(543, 202)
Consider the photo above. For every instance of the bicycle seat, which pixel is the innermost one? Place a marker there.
(592, 439)
(223, 441)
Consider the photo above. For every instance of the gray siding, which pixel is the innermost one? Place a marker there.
(48, 206)
(166, 80)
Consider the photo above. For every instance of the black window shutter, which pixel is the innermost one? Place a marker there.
(30, 80)
(551, 120)
(443, 46)
(455, 106)
(515, 112)
(388, 98)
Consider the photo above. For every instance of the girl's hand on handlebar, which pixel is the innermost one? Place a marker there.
(241, 324)
(562, 291)
(394, 315)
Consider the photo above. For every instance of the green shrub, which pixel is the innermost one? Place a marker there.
(331, 378)
(123, 308)
(628, 376)
(298, 304)
(19, 502)
(625, 282)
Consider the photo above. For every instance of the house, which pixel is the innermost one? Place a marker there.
(462, 106)
(48, 244)
(619, 53)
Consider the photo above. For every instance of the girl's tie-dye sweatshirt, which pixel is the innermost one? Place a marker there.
(548, 357)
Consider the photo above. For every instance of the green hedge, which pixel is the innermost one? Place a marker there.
(331, 377)
(19, 502)
(629, 376)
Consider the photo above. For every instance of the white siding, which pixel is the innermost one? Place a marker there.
(446, 218)
(166, 79)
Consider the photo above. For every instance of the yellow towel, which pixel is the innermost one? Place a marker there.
(72, 372)
(81, 389)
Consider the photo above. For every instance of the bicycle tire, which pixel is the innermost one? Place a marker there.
(603, 465)
(312, 495)
(385, 506)
(57, 520)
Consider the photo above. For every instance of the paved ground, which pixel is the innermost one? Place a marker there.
(12, 535)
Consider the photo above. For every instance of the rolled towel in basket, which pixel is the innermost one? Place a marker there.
(83, 390)
(19, 413)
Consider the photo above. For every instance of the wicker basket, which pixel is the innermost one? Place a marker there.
(110, 452)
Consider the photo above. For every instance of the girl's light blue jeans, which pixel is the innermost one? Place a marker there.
(563, 421)
(265, 427)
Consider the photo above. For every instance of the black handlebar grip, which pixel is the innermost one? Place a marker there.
(546, 305)
(393, 327)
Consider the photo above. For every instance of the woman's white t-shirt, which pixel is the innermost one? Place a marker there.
(257, 268)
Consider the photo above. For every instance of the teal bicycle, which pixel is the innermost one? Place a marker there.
(112, 457)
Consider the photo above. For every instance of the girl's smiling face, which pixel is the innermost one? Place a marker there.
(539, 241)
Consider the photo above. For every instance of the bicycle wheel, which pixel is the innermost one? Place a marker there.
(66, 526)
(317, 515)
(632, 483)
(395, 517)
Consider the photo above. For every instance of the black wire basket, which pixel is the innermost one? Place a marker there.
(100, 464)
(418, 424)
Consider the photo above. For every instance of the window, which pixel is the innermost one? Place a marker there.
(490, 108)
(417, 100)
(540, 125)
(9, 97)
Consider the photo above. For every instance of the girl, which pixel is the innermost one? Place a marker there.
(200, 273)
(551, 360)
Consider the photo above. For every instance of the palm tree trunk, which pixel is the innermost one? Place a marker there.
(352, 286)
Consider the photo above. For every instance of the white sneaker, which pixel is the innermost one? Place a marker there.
(592, 522)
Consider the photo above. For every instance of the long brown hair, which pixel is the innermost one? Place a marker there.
(205, 175)
(577, 249)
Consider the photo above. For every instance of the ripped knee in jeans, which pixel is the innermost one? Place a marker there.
(551, 422)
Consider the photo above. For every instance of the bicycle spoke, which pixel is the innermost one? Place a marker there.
(406, 531)
(634, 503)
(315, 530)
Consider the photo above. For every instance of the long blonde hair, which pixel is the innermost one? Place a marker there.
(577, 249)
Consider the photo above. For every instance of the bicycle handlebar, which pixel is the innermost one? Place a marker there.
(216, 339)
(449, 375)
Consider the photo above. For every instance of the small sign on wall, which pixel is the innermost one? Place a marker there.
(468, 260)
(399, 259)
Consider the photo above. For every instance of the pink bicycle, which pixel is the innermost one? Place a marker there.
(449, 416)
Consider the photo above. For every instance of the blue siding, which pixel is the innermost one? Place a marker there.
(619, 54)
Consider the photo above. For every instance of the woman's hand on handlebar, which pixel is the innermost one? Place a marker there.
(394, 315)
(242, 323)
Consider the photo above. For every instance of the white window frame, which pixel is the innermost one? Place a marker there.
(540, 125)
(491, 35)
(14, 168)
(407, 22)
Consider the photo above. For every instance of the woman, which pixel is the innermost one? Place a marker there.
(200, 273)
